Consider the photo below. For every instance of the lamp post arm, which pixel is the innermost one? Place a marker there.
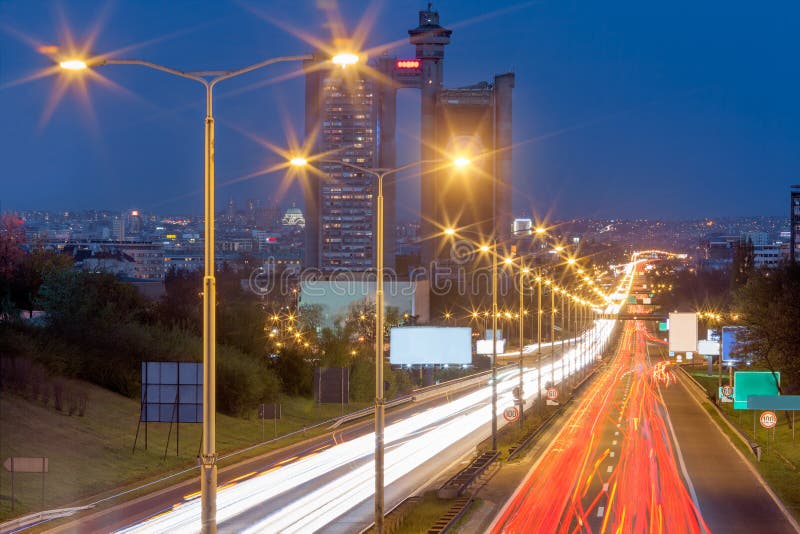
(196, 76)
(215, 76)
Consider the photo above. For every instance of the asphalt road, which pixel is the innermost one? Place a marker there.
(157, 502)
(730, 496)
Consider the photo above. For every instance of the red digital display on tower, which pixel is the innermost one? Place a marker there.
(408, 64)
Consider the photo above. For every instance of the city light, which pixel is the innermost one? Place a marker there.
(461, 162)
(298, 161)
(73, 64)
(408, 64)
(344, 59)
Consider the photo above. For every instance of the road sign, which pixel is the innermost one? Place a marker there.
(21, 464)
(672, 353)
(768, 419)
(774, 402)
(689, 355)
(754, 383)
(511, 414)
(662, 327)
(552, 394)
(727, 391)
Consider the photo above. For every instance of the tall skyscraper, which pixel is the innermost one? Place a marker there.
(794, 219)
(341, 108)
(351, 117)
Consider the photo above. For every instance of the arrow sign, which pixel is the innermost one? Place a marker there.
(22, 464)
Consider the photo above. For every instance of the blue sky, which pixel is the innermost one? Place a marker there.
(665, 110)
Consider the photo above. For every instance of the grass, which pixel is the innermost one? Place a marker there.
(425, 513)
(780, 459)
(92, 455)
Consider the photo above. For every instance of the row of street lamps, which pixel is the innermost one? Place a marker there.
(208, 457)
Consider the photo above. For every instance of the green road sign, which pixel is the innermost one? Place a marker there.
(632, 299)
(749, 383)
(662, 327)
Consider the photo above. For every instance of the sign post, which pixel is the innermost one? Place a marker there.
(551, 395)
(21, 464)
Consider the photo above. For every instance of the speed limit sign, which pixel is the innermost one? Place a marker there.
(552, 394)
(768, 419)
(511, 414)
(727, 391)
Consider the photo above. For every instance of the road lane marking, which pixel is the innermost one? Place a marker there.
(614, 442)
(605, 487)
(600, 510)
(611, 454)
(610, 468)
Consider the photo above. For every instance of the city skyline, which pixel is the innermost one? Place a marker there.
(712, 115)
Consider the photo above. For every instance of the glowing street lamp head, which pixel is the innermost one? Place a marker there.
(450, 231)
(509, 261)
(461, 162)
(73, 64)
(540, 230)
(345, 59)
(298, 161)
(484, 248)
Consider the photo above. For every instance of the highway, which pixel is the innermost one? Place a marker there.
(611, 468)
(329, 487)
(730, 495)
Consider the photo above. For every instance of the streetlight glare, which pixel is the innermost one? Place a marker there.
(461, 162)
(344, 59)
(450, 231)
(298, 162)
(484, 248)
(73, 64)
(571, 261)
(540, 230)
(509, 261)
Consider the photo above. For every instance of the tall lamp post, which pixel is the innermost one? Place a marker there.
(493, 250)
(380, 400)
(209, 79)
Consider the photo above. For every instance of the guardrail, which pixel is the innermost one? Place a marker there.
(459, 482)
(452, 515)
(30, 520)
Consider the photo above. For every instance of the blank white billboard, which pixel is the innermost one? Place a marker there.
(708, 348)
(683, 332)
(418, 345)
(484, 346)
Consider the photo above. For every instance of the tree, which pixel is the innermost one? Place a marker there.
(12, 238)
(768, 305)
(743, 263)
(31, 271)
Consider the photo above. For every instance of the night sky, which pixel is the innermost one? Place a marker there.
(668, 110)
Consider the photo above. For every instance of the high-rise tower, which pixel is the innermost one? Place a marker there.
(429, 38)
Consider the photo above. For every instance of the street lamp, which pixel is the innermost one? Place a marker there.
(380, 400)
(209, 79)
(486, 248)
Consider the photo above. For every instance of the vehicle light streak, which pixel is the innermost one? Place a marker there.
(410, 443)
(643, 492)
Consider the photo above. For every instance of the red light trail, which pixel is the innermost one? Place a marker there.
(612, 467)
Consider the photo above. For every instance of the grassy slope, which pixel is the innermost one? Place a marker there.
(92, 454)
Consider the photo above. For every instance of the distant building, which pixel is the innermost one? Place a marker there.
(767, 255)
(794, 219)
(522, 226)
(118, 229)
(293, 217)
(717, 251)
(335, 297)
